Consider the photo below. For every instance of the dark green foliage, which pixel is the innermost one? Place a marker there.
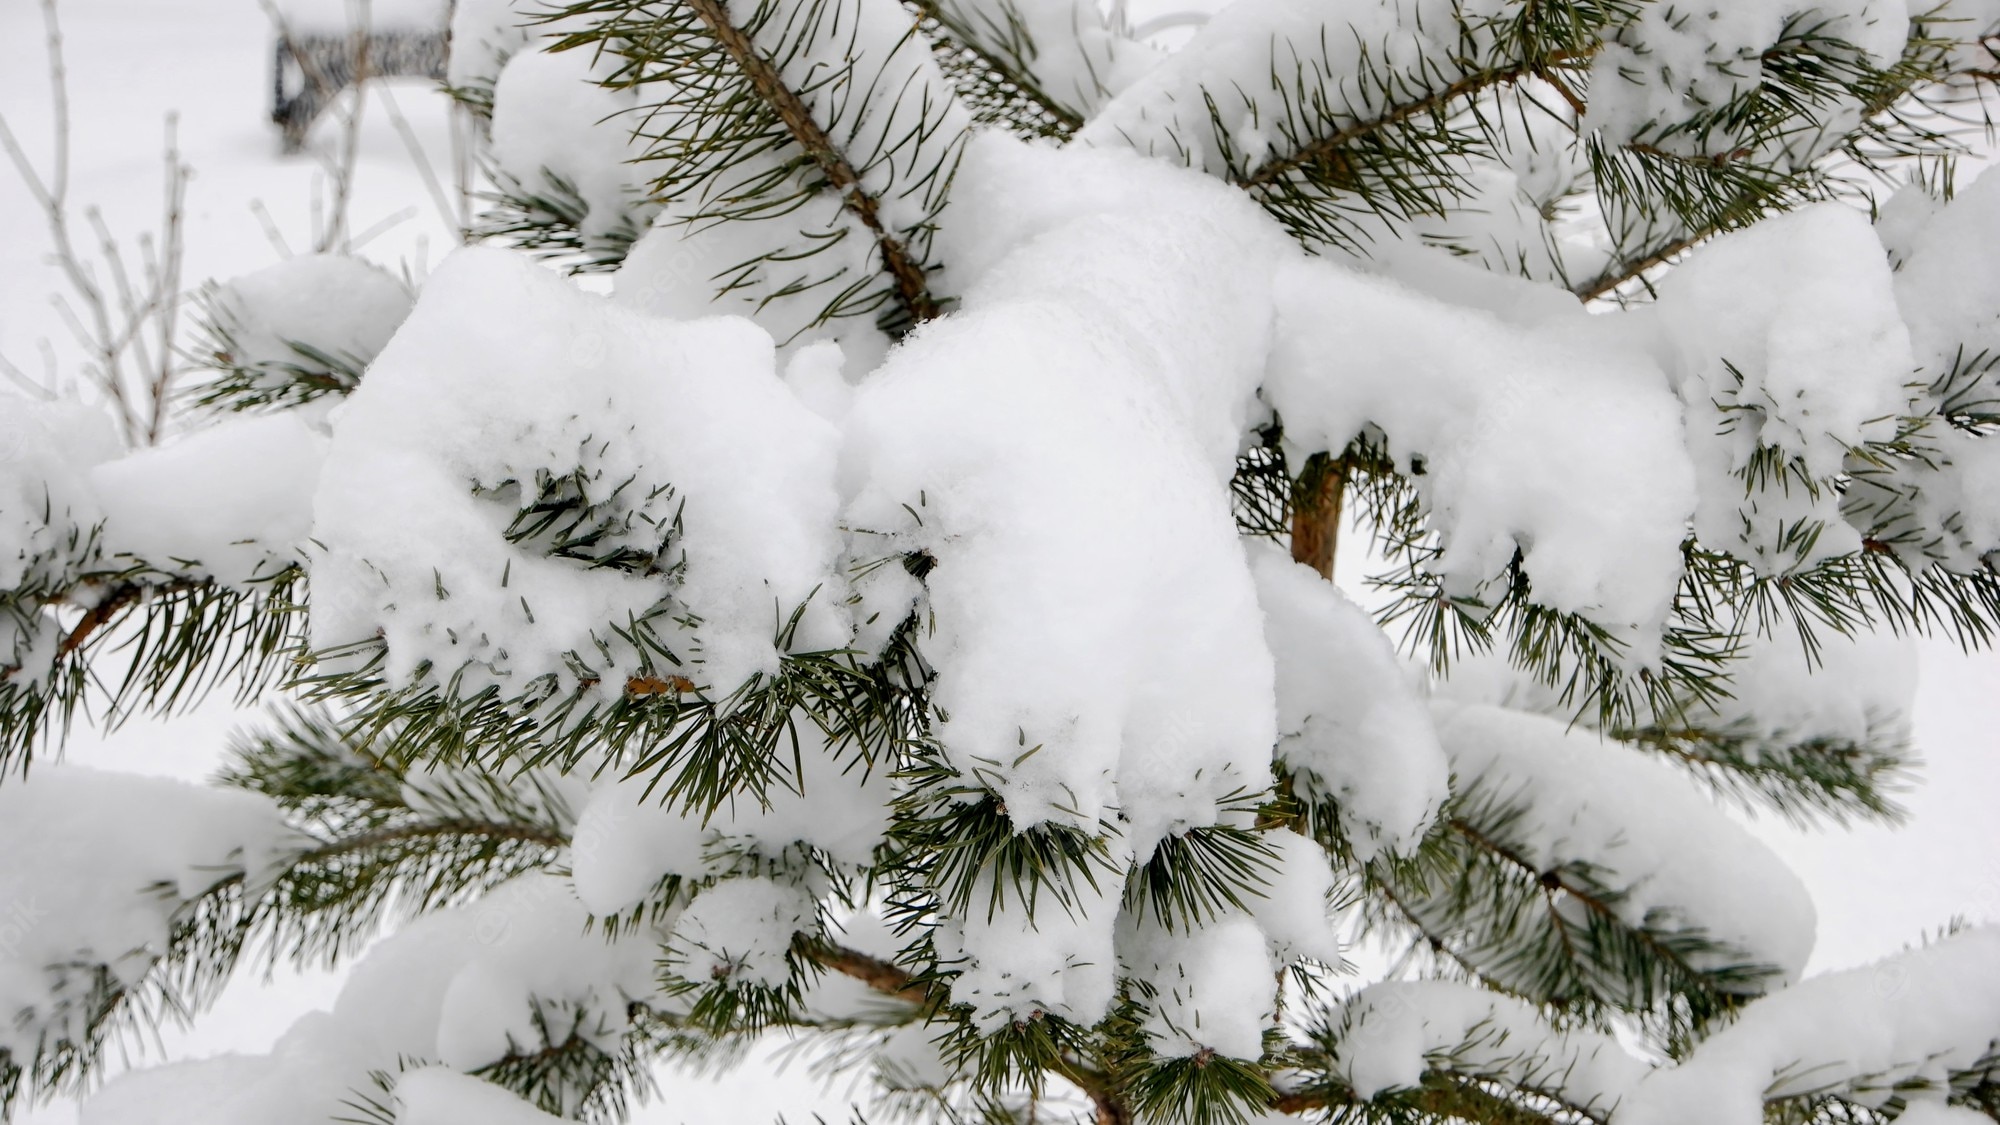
(763, 150)
(546, 219)
(1836, 780)
(1200, 875)
(414, 795)
(1555, 937)
(238, 383)
(177, 639)
(988, 54)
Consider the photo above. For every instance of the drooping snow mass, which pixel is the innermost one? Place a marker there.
(47, 510)
(557, 132)
(741, 929)
(1389, 1032)
(1294, 905)
(484, 35)
(1259, 64)
(1559, 440)
(1942, 510)
(1667, 859)
(1858, 690)
(1037, 478)
(46, 503)
(1212, 987)
(1056, 955)
(1351, 724)
(1903, 1025)
(315, 314)
(97, 865)
(1943, 505)
(1950, 303)
(463, 987)
(708, 475)
(256, 476)
(1785, 346)
(1064, 688)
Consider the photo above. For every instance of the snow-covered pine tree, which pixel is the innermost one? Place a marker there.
(896, 616)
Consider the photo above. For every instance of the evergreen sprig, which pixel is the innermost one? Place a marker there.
(729, 134)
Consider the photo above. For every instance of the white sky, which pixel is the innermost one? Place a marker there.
(133, 61)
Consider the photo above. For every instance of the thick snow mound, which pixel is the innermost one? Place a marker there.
(711, 476)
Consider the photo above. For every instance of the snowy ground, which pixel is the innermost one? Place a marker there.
(133, 61)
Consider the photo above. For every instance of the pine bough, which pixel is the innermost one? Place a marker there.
(896, 616)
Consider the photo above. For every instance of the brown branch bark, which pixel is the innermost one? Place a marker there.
(885, 977)
(912, 288)
(114, 602)
(1611, 279)
(1316, 506)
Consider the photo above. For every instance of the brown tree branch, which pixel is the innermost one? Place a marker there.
(912, 287)
(883, 976)
(1317, 500)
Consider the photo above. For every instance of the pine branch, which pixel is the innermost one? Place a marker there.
(912, 287)
(885, 977)
(1442, 1096)
(997, 79)
(1326, 153)
(179, 639)
(1833, 778)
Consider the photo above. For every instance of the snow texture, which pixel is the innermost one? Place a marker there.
(1905, 1023)
(874, 90)
(98, 865)
(47, 512)
(315, 314)
(439, 1096)
(626, 841)
(741, 929)
(1209, 987)
(256, 476)
(1389, 1032)
(1943, 508)
(1858, 690)
(1661, 72)
(557, 132)
(1666, 859)
(1785, 346)
(1100, 340)
(1558, 440)
(1056, 956)
(1071, 50)
(1352, 725)
(1256, 63)
(693, 448)
(484, 35)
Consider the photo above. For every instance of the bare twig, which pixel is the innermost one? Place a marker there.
(432, 185)
(341, 170)
(127, 329)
